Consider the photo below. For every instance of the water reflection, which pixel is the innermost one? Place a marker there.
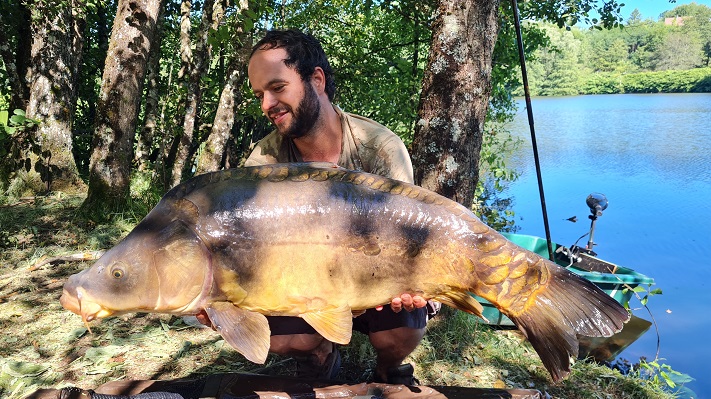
(651, 156)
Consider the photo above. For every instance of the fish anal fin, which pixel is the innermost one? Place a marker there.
(247, 332)
(462, 301)
(334, 324)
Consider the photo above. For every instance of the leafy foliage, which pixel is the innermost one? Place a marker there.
(490, 205)
(689, 81)
(661, 376)
(378, 53)
(632, 59)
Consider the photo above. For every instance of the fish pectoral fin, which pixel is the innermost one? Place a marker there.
(247, 332)
(462, 301)
(335, 324)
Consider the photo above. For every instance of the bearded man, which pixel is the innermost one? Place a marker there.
(291, 77)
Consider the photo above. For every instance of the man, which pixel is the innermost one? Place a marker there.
(290, 75)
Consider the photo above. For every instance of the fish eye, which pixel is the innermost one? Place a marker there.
(117, 273)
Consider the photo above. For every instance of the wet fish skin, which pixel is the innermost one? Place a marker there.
(318, 242)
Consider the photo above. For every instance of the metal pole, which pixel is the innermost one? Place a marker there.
(590, 245)
(527, 94)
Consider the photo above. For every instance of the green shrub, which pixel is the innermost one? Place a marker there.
(689, 81)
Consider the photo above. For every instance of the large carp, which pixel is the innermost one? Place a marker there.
(318, 241)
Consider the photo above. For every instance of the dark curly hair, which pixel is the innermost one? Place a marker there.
(304, 54)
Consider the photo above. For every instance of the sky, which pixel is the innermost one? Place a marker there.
(653, 8)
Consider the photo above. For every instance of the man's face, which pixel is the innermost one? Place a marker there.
(290, 103)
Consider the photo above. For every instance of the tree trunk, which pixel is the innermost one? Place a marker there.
(145, 141)
(214, 155)
(161, 176)
(131, 41)
(455, 97)
(195, 66)
(57, 33)
(15, 22)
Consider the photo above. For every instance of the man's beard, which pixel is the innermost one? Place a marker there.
(305, 115)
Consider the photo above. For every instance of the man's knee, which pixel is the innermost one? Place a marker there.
(294, 343)
(402, 340)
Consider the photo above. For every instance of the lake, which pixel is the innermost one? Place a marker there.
(650, 155)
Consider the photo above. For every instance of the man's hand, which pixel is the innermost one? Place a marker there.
(407, 302)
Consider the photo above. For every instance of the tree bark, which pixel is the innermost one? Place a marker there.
(195, 66)
(145, 140)
(455, 96)
(15, 23)
(131, 42)
(57, 32)
(214, 155)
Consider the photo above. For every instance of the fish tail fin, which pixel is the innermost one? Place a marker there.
(567, 307)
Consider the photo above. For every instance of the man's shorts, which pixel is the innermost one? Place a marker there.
(370, 321)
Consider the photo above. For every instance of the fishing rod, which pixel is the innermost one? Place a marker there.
(529, 110)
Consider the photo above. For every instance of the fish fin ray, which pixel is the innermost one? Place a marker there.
(567, 307)
(462, 301)
(247, 332)
(335, 324)
(186, 211)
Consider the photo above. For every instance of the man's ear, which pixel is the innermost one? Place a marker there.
(318, 79)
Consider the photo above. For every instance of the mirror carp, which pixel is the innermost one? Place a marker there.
(320, 242)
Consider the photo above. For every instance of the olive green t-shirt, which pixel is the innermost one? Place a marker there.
(367, 146)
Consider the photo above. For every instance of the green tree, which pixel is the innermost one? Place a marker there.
(697, 23)
(678, 51)
(635, 17)
(378, 55)
(232, 101)
(556, 70)
(643, 40)
(605, 51)
(15, 46)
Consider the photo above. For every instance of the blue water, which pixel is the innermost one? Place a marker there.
(650, 155)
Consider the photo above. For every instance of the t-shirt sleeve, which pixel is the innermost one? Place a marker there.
(265, 152)
(254, 158)
(393, 161)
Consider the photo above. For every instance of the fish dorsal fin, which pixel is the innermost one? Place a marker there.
(335, 324)
(247, 332)
(462, 301)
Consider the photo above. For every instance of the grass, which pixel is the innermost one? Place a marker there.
(44, 346)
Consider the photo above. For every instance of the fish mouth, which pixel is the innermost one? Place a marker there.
(76, 301)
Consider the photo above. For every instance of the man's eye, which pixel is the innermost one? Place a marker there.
(278, 89)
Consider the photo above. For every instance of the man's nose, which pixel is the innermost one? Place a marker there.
(268, 102)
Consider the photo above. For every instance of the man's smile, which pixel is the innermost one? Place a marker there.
(278, 116)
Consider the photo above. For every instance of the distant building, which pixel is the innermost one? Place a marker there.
(674, 21)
